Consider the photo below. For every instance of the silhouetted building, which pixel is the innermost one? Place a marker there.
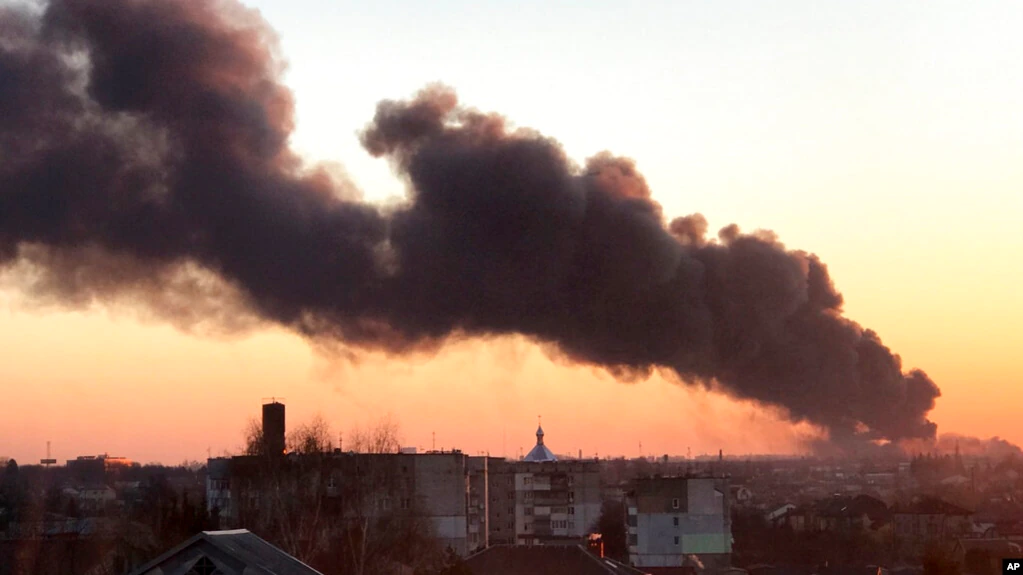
(94, 469)
(273, 427)
(225, 553)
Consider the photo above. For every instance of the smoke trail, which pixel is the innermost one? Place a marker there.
(143, 153)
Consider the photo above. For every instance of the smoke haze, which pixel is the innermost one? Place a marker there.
(144, 155)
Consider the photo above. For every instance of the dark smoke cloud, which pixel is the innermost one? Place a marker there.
(143, 152)
(994, 448)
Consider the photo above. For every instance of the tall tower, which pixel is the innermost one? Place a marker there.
(273, 427)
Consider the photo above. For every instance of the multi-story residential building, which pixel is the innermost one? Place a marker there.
(479, 479)
(672, 518)
(434, 487)
(443, 489)
(541, 500)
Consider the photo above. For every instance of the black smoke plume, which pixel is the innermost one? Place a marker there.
(144, 153)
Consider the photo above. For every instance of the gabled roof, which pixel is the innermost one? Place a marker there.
(930, 506)
(544, 560)
(998, 546)
(257, 555)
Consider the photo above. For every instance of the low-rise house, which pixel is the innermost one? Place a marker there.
(862, 512)
(983, 555)
(776, 516)
(544, 560)
(236, 552)
(929, 519)
(95, 497)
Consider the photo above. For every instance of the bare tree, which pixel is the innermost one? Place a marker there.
(255, 442)
(354, 512)
(381, 437)
(312, 437)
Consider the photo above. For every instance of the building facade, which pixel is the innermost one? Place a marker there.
(673, 518)
(541, 500)
(433, 491)
(431, 487)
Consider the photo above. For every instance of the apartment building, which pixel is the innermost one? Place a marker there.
(541, 500)
(444, 490)
(673, 520)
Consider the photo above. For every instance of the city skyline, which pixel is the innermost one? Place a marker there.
(855, 134)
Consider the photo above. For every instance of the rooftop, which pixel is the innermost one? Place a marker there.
(256, 556)
(544, 560)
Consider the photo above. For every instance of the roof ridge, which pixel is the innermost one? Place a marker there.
(600, 560)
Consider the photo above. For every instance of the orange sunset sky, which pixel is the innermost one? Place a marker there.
(886, 139)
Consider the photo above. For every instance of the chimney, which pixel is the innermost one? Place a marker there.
(273, 427)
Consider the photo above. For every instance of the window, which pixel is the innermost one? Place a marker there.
(633, 539)
(674, 503)
(571, 510)
(675, 520)
(527, 480)
(406, 503)
(676, 540)
(529, 496)
(570, 477)
(571, 496)
(511, 495)
(528, 511)
(571, 524)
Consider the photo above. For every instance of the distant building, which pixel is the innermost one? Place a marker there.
(674, 519)
(541, 500)
(95, 469)
(839, 513)
(930, 518)
(95, 497)
(539, 453)
(225, 553)
(273, 427)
